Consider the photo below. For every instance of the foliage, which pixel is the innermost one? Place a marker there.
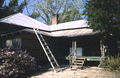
(16, 63)
(104, 15)
(68, 10)
(13, 7)
(113, 63)
(71, 15)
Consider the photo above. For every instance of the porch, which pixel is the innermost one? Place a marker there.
(93, 51)
(80, 61)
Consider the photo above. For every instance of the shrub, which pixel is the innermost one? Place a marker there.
(16, 63)
(113, 63)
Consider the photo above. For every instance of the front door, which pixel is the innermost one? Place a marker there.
(78, 51)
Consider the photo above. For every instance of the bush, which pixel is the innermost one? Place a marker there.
(113, 63)
(16, 63)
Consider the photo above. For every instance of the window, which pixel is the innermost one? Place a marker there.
(14, 43)
(78, 52)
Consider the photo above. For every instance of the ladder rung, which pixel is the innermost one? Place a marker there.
(51, 57)
(54, 62)
(42, 40)
(47, 48)
(49, 53)
(44, 44)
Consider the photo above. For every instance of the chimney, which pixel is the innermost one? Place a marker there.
(54, 19)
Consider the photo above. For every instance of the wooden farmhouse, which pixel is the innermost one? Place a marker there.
(72, 41)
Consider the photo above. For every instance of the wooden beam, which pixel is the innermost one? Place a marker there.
(102, 49)
(74, 47)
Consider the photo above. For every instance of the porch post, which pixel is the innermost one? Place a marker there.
(102, 49)
(74, 45)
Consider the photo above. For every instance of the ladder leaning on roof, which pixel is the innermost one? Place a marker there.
(48, 52)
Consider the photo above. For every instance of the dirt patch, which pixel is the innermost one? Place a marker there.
(89, 72)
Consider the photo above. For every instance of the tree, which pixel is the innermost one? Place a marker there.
(68, 10)
(104, 15)
(13, 7)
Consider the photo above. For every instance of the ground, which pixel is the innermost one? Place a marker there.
(88, 72)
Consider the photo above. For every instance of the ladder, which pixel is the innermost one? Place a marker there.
(48, 52)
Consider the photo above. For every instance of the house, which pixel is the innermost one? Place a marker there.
(75, 38)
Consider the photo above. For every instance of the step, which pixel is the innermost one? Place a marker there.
(75, 66)
(78, 63)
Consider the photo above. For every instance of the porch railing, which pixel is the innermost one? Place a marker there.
(70, 58)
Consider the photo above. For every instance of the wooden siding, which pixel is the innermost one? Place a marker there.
(90, 46)
(32, 45)
(34, 48)
(62, 46)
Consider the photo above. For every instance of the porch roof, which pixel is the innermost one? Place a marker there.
(66, 33)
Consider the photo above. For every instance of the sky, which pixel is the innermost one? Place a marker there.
(29, 9)
(7, 2)
(25, 9)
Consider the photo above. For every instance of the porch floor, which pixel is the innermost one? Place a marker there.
(88, 58)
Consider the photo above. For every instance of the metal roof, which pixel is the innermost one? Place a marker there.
(69, 25)
(23, 20)
(74, 33)
(68, 29)
(25, 30)
(65, 33)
